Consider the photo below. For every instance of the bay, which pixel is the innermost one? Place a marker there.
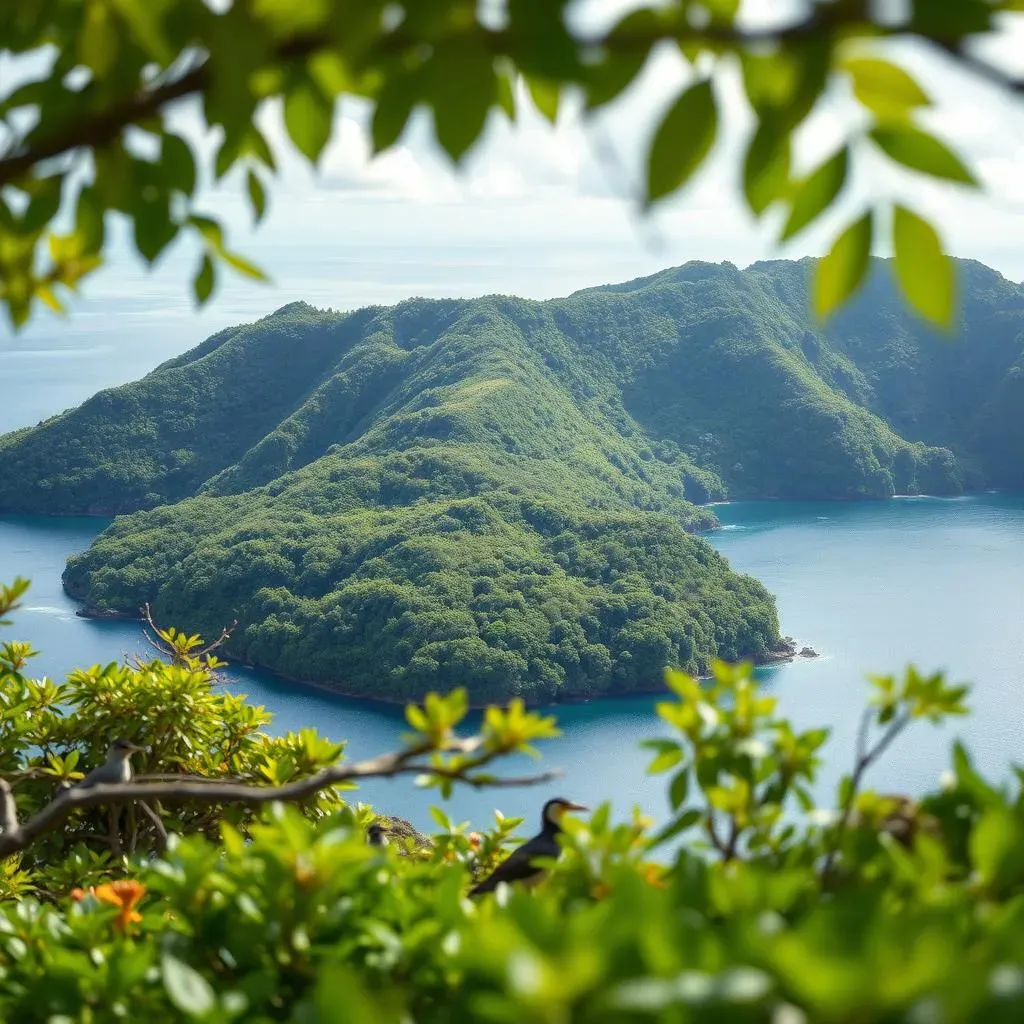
(871, 586)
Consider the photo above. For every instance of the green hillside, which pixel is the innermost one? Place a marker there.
(500, 493)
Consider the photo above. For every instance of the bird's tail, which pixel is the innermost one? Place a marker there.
(487, 885)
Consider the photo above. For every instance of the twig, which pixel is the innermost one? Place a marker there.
(161, 832)
(406, 762)
(865, 758)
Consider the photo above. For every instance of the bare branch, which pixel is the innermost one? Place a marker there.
(8, 809)
(865, 758)
(158, 824)
(405, 762)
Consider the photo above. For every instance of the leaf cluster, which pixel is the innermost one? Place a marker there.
(93, 133)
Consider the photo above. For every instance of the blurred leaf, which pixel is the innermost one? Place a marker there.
(257, 195)
(178, 164)
(545, 96)
(926, 273)
(920, 151)
(817, 192)
(395, 103)
(203, 283)
(766, 167)
(683, 139)
(187, 989)
(463, 88)
(839, 274)
(307, 116)
(884, 88)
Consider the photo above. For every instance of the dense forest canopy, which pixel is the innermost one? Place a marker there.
(501, 493)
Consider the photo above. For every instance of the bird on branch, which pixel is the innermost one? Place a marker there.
(520, 866)
(117, 767)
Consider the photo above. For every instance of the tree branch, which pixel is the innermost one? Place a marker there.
(95, 129)
(865, 758)
(406, 762)
(8, 810)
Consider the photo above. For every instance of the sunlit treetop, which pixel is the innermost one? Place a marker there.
(91, 135)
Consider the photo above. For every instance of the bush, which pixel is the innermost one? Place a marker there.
(888, 909)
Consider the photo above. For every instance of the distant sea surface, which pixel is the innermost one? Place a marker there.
(871, 586)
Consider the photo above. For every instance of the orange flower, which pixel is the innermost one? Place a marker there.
(653, 876)
(475, 839)
(79, 894)
(124, 894)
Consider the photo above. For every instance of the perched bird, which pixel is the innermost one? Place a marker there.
(116, 768)
(520, 866)
(375, 835)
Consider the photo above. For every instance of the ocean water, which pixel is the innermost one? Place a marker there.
(871, 586)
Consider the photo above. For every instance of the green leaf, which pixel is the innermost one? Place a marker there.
(203, 283)
(154, 227)
(545, 95)
(186, 988)
(839, 274)
(665, 760)
(679, 789)
(767, 165)
(817, 192)
(243, 266)
(885, 89)
(920, 151)
(178, 165)
(395, 103)
(925, 272)
(506, 96)
(685, 821)
(43, 205)
(143, 18)
(307, 116)
(997, 847)
(257, 195)
(463, 87)
(97, 39)
(683, 139)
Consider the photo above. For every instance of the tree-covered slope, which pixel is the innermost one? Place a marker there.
(499, 493)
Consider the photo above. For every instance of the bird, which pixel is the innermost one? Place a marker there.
(375, 835)
(519, 866)
(116, 768)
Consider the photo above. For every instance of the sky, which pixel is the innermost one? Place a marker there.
(538, 210)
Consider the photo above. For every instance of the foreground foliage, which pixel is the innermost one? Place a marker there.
(103, 76)
(886, 910)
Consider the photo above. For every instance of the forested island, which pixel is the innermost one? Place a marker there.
(504, 494)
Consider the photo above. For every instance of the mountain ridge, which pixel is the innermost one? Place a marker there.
(503, 493)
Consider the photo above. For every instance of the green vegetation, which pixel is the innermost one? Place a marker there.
(749, 904)
(101, 76)
(498, 494)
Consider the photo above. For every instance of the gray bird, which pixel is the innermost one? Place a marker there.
(375, 835)
(116, 768)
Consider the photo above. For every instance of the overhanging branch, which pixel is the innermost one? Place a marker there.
(410, 761)
(95, 129)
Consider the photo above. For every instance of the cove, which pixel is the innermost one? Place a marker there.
(871, 586)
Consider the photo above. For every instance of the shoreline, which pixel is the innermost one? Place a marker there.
(790, 651)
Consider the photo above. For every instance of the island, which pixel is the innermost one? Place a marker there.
(508, 495)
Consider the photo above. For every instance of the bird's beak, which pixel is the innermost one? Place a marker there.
(576, 807)
(134, 748)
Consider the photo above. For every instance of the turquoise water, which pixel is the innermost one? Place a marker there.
(871, 586)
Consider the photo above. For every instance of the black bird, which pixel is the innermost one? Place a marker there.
(375, 835)
(519, 866)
